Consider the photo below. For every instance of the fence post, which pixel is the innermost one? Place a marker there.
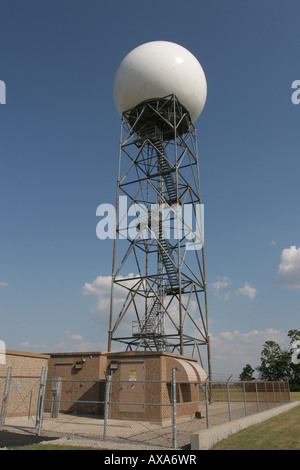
(5, 397)
(279, 385)
(41, 413)
(266, 394)
(228, 398)
(256, 393)
(245, 400)
(38, 409)
(206, 401)
(106, 405)
(56, 386)
(289, 391)
(29, 408)
(174, 409)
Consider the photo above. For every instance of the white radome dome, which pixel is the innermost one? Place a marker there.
(157, 69)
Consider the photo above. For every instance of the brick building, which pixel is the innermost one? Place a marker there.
(140, 383)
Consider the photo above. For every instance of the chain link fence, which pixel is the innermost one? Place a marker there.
(22, 397)
(153, 414)
(234, 400)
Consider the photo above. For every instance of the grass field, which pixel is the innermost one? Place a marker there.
(279, 433)
(295, 396)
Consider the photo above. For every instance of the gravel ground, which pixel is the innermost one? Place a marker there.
(104, 445)
(10, 438)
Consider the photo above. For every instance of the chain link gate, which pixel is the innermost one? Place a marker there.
(22, 397)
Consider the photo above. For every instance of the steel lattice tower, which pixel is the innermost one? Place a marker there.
(164, 299)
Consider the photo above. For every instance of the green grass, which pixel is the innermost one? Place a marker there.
(295, 396)
(279, 433)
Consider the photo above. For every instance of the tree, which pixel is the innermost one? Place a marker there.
(294, 336)
(274, 362)
(247, 373)
(279, 364)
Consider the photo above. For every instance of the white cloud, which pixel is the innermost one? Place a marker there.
(3, 284)
(101, 288)
(247, 291)
(288, 274)
(100, 285)
(66, 346)
(26, 345)
(219, 285)
(73, 343)
(219, 289)
(73, 337)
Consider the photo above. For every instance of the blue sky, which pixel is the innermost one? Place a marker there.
(59, 148)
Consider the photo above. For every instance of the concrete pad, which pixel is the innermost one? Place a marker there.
(204, 440)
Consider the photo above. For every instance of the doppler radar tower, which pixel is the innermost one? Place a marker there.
(158, 295)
